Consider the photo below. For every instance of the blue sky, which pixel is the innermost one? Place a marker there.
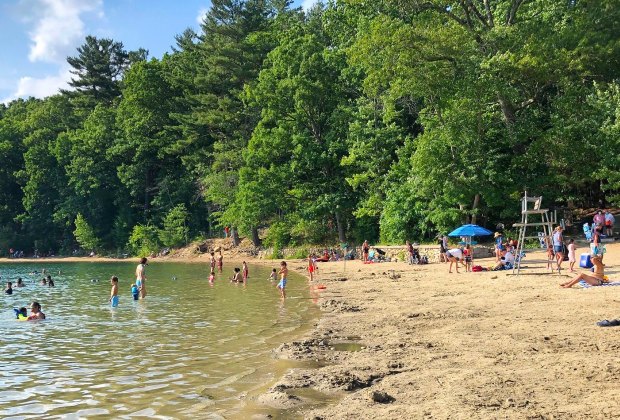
(37, 35)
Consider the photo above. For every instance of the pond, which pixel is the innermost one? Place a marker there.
(189, 349)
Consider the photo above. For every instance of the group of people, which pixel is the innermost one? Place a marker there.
(35, 307)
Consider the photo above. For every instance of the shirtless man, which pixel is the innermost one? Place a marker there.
(141, 278)
(283, 275)
(35, 312)
(595, 279)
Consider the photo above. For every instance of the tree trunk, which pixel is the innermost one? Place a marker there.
(235, 237)
(255, 238)
(340, 226)
(508, 110)
(474, 207)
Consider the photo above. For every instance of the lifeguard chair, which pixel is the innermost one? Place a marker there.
(530, 212)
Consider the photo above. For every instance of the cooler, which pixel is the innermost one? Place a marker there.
(584, 261)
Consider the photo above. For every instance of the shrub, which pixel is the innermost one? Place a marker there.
(85, 234)
(175, 230)
(143, 240)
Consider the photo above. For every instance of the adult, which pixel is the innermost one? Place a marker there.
(212, 261)
(35, 312)
(20, 282)
(506, 261)
(599, 219)
(499, 246)
(220, 261)
(141, 277)
(409, 251)
(597, 278)
(595, 245)
(558, 241)
(443, 248)
(455, 255)
(226, 231)
(365, 250)
(609, 223)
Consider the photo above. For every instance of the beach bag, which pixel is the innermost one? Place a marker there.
(476, 268)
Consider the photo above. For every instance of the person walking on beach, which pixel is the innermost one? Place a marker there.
(283, 275)
(311, 266)
(141, 277)
(558, 239)
(114, 292)
(571, 255)
(365, 250)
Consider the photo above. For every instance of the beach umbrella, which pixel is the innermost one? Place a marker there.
(470, 230)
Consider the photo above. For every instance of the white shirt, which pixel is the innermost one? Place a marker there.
(509, 258)
(456, 253)
(610, 218)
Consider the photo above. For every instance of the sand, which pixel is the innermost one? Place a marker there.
(429, 344)
(469, 345)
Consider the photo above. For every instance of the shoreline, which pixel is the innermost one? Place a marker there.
(426, 343)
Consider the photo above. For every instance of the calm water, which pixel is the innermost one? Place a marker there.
(188, 350)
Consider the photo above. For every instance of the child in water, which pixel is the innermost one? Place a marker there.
(235, 277)
(9, 288)
(283, 274)
(114, 291)
(274, 275)
(245, 272)
(212, 276)
(135, 292)
(21, 313)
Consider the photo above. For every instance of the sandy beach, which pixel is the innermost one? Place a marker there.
(429, 344)
(471, 345)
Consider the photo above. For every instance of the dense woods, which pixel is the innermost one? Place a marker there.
(360, 119)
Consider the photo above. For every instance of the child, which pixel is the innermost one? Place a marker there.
(212, 276)
(50, 282)
(114, 291)
(245, 272)
(9, 288)
(20, 283)
(550, 254)
(235, 277)
(283, 274)
(571, 255)
(311, 266)
(21, 314)
(273, 275)
(220, 261)
(467, 253)
(135, 292)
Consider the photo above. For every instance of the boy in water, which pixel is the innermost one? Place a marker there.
(283, 274)
(35, 312)
(114, 291)
(9, 288)
(141, 277)
(212, 276)
(135, 292)
(274, 275)
(235, 277)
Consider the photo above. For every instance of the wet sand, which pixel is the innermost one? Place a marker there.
(429, 344)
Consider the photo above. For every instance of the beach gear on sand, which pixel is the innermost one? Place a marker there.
(607, 323)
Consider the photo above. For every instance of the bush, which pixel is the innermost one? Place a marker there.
(175, 230)
(277, 236)
(143, 240)
(300, 253)
(85, 234)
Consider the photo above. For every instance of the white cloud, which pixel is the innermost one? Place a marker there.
(202, 13)
(308, 4)
(58, 28)
(40, 87)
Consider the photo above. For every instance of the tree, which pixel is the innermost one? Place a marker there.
(85, 234)
(175, 230)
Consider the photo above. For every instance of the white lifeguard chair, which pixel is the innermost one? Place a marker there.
(527, 220)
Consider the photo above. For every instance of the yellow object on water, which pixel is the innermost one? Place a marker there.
(20, 317)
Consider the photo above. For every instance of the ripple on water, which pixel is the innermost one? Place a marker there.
(155, 358)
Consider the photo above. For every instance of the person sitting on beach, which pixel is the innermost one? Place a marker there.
(597, 278)
(236, 277)
(35, 312)
(9, 289)
(283, 275)
(20, 282)
(506, 261)
(455, 255)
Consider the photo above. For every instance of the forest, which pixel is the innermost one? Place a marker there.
(383, 120)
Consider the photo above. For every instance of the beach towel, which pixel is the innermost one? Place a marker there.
(585, 284)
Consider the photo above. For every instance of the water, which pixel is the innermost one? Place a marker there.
(187, 350)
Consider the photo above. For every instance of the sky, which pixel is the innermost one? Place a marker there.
(36, 36)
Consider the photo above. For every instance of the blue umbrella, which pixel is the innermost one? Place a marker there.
(470, 230)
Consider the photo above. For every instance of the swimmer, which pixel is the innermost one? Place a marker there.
(43, 282)
(9, 289)
(283, 274)
(212, 276)
(135, 292)
(274, 275)
(114, 292)
(35, 312)
(50, 282)
(235, 277)
(20, 282)
(21, 313)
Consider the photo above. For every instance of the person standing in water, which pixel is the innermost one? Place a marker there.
(114, 292)
(212, 261)
(283, 274)
(220, 261)
(246, 272)
(141, 277)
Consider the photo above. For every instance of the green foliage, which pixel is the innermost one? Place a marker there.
(175, 231)
(143, 240)
(85, 234)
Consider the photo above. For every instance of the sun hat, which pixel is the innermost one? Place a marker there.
(497, 234)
